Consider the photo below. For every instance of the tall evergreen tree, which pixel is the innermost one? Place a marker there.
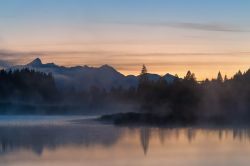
(219, 77)
(190, 76)
(144, 74)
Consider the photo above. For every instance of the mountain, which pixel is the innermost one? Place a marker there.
(169, 78)
(85, 77)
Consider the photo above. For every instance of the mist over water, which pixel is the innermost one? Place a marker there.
(41, 140)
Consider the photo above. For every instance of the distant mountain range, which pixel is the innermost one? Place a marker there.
(84, 77)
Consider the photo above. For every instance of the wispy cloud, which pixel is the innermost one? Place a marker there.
(9, 58)
(207, 26)
(210, 26)
(121, 59)
(17, 54)
(8, 54)
(14, 54)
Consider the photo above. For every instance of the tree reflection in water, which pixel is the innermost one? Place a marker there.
(145, 137)
(38, 138)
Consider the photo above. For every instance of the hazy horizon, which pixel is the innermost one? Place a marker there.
(10, 66)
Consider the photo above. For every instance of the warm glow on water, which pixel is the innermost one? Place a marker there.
(92, 144)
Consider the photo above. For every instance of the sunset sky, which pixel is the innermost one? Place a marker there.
(169, 36)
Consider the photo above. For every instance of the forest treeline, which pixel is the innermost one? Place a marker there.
(186, 100)
(27, 86)
(183, 100)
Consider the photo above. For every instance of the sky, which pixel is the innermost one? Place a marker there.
(169, 36)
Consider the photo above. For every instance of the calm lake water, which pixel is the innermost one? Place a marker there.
(78, 141)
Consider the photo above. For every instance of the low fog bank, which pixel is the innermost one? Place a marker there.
(31, 92)
(11, 108)
(185, 101)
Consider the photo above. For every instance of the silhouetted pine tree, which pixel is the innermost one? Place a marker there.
(219, 78)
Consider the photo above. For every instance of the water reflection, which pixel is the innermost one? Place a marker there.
(106, 142)
(145, 137)
(38, 138)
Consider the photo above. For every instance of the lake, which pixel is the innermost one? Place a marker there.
(79, 140)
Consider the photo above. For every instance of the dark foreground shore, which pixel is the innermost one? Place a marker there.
(150, 119)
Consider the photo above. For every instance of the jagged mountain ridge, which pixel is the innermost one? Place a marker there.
(85, 77)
